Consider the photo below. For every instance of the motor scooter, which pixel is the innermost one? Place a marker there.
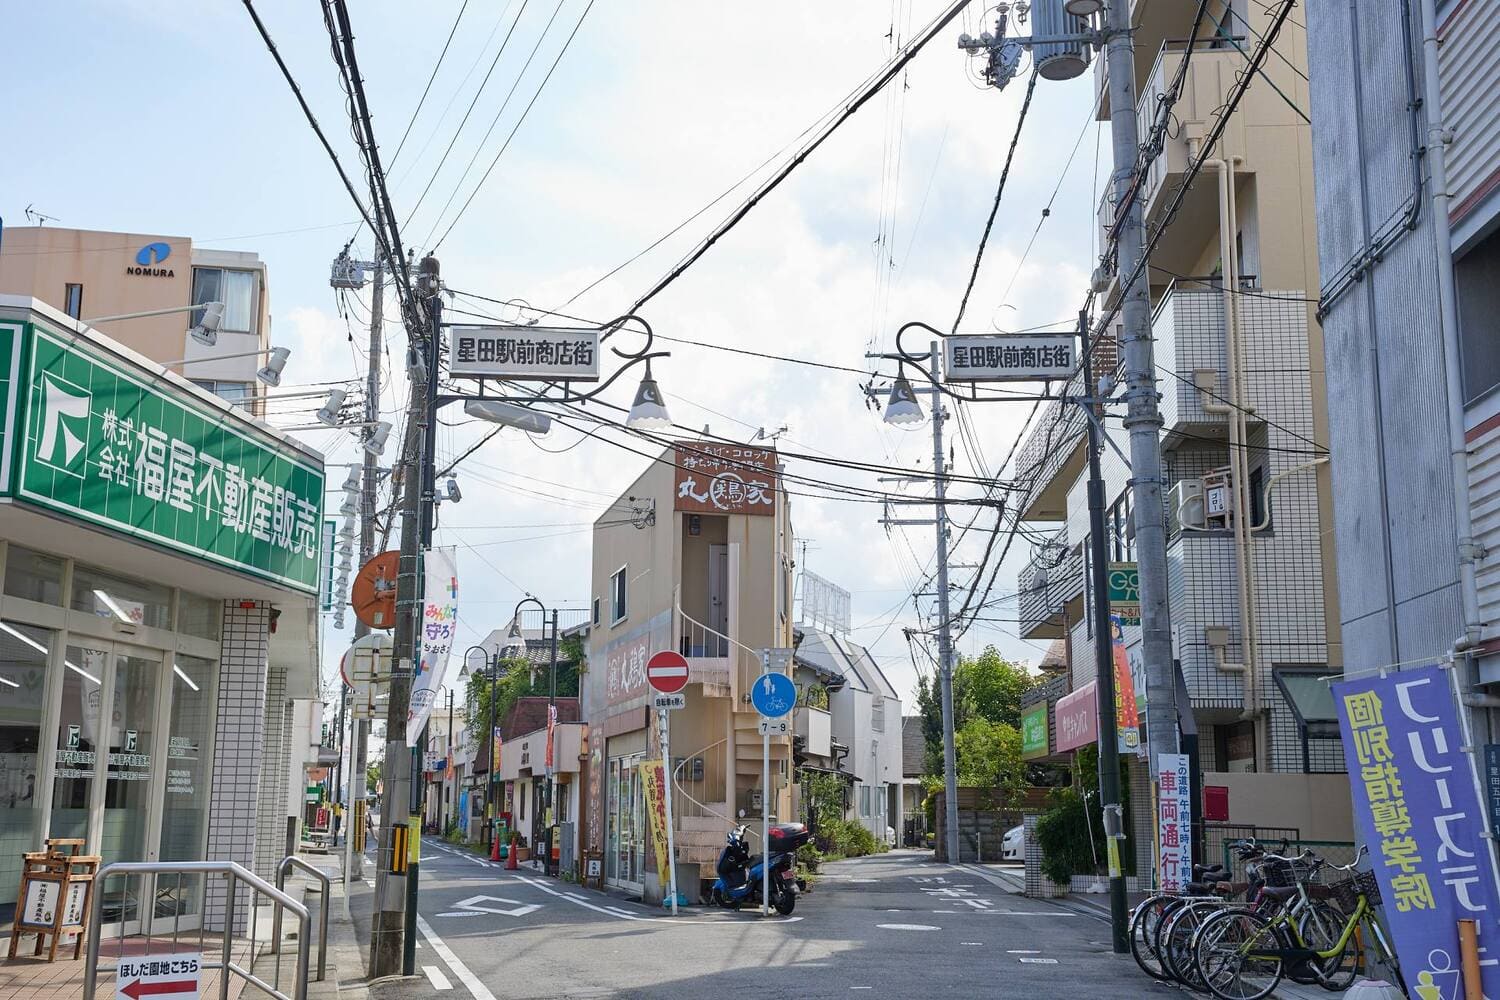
(740, 874)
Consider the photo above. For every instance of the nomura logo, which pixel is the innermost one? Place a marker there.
(148, 260)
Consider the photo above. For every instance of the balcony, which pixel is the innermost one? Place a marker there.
(1043, 605)
(814, 727)
(1053, 457)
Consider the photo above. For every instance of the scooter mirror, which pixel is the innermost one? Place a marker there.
(742, 814)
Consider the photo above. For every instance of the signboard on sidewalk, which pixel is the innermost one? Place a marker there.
(160, 976)
(132, 454)
(1418, 809)
(1034, 732)
(1009, 357)
(1174, 821)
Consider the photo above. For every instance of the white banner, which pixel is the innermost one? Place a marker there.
(438, 627)
(1174, 824)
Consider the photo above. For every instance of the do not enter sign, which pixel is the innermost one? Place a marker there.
(667, 672)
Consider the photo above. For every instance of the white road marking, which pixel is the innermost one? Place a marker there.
(459, 913)
(622, 914)
(438, 980)
(1040, 961)
(908, 927)
(1027, 913)
(476, 989)
(1022, 951)
(978, 904)
(976, 943)
(864, 881)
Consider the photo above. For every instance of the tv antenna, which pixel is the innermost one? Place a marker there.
(32, 215)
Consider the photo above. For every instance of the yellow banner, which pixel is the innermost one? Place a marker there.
(653, 778)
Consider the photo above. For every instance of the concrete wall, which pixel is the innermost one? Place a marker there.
(1317, 804)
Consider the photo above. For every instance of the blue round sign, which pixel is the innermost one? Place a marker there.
(773, 695)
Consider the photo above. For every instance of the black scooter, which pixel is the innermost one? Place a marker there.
(740, 875)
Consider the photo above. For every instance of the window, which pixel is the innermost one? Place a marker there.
(110, 596)
(33, 576)
(237, 393)
(1257, 495)
(877, 714)
(617, 605)
(595, 619)
(236, 289)
(199, 616)
(1477, 277)
(73, 300)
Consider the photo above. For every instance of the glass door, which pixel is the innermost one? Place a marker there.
(79, 736)
(188, 769)
(23, 683)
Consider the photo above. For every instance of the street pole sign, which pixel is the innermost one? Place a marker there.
(1010, 357)
(667, 673)
(1125, 592)
(773, 696)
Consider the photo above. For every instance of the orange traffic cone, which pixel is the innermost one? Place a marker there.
(494, 848)
(510, 856)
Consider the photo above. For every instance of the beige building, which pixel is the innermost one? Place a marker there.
(89, 274)
(695, 556)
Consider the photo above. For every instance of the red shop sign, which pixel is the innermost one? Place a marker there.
(1077, 716)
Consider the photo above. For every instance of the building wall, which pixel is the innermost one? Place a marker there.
(275, 764)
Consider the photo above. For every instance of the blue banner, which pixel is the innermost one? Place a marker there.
(1420, 814)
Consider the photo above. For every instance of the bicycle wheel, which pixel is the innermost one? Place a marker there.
(1159, 938)
(1176, 940)
(1320, 926)
(1143, 924)
(1222, 956)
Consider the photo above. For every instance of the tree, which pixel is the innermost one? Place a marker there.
(989, 757)
(930, 708)
(989, 687)
(518, 679)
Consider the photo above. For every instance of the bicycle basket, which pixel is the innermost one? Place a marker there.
(1347, 892)
(1281, 874)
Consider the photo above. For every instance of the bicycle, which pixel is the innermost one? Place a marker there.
(1147, 917)
(1243, 955)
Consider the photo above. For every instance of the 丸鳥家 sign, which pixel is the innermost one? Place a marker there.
(725, 479)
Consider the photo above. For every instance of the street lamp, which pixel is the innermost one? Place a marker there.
(493, 669)
(205, 331)
(516, 633)
(269, 373)
(902, 407)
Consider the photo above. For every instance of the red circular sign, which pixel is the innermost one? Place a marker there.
(667, 672)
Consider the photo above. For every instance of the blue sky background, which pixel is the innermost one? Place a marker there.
(170, 116)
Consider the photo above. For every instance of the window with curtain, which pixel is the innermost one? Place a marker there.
(236, 289)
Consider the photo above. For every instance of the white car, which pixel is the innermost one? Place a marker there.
(1013, 846)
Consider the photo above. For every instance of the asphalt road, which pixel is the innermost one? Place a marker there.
(894, 925)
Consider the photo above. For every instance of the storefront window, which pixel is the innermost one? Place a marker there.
(131, 768)
(190, 738)
(110, 596)
(199, 616)
(78, 739)
(23, 681)
(33, 576)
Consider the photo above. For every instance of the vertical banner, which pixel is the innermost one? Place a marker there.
(437, 628)
(1174, 821)
(653, 779)
(551, 733)
(1127, 715)
(495, 755)
(1419, 812)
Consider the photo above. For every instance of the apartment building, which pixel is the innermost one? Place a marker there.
(1253, 586)
(848, 722)
(1406, 126)
(89, 273)
(694, 556)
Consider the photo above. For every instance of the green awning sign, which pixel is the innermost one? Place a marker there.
(1125, 592)
(131, 453)
(1034, 732)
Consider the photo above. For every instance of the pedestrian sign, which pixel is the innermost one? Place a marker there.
(773, 695)
(162, 976)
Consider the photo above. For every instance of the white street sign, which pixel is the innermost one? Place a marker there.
(527, 352)
(1009, 357)
(669, 701)
(477, 904)
(774, 727)
(158, 976)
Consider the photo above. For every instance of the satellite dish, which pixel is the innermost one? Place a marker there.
(373, 595)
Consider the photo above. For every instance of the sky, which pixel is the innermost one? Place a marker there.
(171, 117)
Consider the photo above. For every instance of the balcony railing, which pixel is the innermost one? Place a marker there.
(1052, 578)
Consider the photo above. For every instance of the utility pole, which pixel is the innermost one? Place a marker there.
(1142, 415)
(1104, 668)
(388, 926)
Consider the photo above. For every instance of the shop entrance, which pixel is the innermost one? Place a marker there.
(625, 823)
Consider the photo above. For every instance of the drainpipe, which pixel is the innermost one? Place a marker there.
(1438, 137)
(1235, 411)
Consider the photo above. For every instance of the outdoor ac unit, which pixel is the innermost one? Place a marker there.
(1186, 503)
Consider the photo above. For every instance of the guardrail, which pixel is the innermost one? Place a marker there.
(234, 875)
(287, 863)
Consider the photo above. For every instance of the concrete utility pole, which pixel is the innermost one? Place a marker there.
(1142, 415)
(945, 634)
(387, 930)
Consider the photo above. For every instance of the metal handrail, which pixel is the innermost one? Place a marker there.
(287, 863)
(234, 874)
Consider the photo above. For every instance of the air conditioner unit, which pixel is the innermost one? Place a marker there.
(1185, 503)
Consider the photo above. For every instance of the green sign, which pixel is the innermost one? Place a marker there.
(1034, 732)
(1125, 592)
(131, 453)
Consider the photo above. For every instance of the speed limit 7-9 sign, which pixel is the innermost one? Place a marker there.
(667, 672)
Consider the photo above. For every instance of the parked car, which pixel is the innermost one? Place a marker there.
(1013, 846)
